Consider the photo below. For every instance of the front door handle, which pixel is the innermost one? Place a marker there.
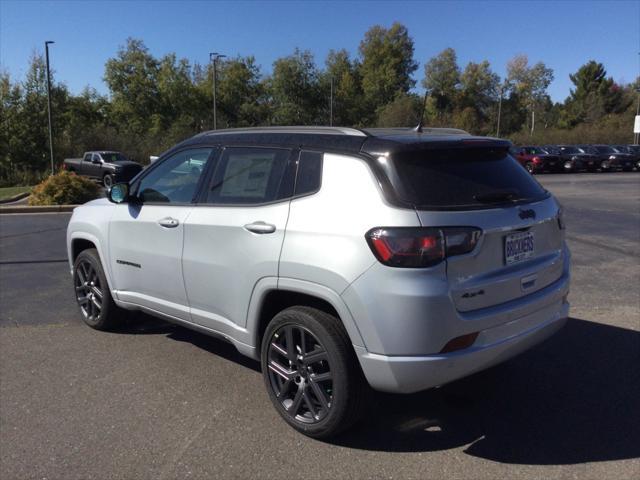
(169, 222)
(260, 227)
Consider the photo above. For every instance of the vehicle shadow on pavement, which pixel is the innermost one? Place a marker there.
(141, 324)
(572, 399)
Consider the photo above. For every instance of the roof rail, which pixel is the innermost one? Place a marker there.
(378, 132)
(294, 129)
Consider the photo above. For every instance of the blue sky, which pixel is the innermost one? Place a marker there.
(562, 34)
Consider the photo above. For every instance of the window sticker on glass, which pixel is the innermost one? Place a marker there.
(246, 176)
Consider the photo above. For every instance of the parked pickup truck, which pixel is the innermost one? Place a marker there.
(108, 167)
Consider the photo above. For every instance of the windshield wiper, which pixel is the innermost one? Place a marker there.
(498, 196)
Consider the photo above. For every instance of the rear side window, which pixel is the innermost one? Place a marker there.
(251, 176)
(309, 174)
(463, 178)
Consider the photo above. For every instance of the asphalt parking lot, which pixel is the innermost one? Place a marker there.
(159, 401)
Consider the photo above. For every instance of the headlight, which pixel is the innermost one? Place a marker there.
(612, 157)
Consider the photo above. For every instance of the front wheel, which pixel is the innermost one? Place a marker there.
(605, 166)
(107, 181)
(97, 307)
(311, 373)
(568, 166)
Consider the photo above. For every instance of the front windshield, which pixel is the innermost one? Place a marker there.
(113, 157)
(570, 150)
(536, 151)
(605, 149)
(587, 149)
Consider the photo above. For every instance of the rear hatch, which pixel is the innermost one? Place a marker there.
(520, 249)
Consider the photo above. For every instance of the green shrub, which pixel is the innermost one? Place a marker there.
(64, 188)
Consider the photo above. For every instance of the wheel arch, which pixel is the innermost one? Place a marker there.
(268, 299)
(79, 241)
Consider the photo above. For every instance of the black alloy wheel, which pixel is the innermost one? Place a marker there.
(89, 291)
(311, 372)
(300, 374)
(92, 292)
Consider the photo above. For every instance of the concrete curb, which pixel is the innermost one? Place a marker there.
(38, 209)
(15, 198)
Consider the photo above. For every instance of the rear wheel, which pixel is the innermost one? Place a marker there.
(605, 166)
(107, 181)
(311, 373)
(568, 166)
(97, 307)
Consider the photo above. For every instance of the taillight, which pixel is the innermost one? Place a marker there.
(536, 159)
(560, 217)
(419, 247)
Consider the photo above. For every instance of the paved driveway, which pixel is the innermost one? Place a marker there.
(159, 401)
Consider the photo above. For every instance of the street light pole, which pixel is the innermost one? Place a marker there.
(331, 104)
(214, 56)
(46, 48)
(499, 111)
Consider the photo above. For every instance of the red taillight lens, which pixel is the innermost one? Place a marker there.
(407, 247)
(536, 159)
(420, 247)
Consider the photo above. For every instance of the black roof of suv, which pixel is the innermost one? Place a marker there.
(371, 141)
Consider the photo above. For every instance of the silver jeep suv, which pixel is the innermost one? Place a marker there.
(339, 258)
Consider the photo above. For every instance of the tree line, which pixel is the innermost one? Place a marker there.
(152, 103)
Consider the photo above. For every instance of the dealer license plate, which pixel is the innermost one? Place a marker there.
(518, 247)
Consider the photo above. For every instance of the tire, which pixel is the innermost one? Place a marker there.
(567, 167)
(97, 308)
(319, 397)
(530, 168)
(605, 166)
(107, 181)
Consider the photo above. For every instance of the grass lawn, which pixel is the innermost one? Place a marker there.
(8, 192)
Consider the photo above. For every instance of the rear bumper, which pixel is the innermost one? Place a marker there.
(415, 373)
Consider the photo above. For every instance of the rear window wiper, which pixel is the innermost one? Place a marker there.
(498, 196)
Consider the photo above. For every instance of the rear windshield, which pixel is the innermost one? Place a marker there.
(464, 178)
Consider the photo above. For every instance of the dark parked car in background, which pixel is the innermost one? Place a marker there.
(634, 151)
(612, 158)
(106, 166)
(572, 158)
(536, 159)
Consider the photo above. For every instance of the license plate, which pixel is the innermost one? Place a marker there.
(518, 247)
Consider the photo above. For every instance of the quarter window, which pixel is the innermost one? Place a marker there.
(176, 179)
(251, 176)
(309, 173)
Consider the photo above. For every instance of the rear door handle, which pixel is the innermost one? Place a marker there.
(260, 227)
(169, 222)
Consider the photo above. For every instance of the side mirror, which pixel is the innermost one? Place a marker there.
(119, 193)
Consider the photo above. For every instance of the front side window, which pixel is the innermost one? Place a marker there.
(96, 157)
(176, 179)
(247, 175)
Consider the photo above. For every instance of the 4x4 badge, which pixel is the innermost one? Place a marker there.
(524, 214)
